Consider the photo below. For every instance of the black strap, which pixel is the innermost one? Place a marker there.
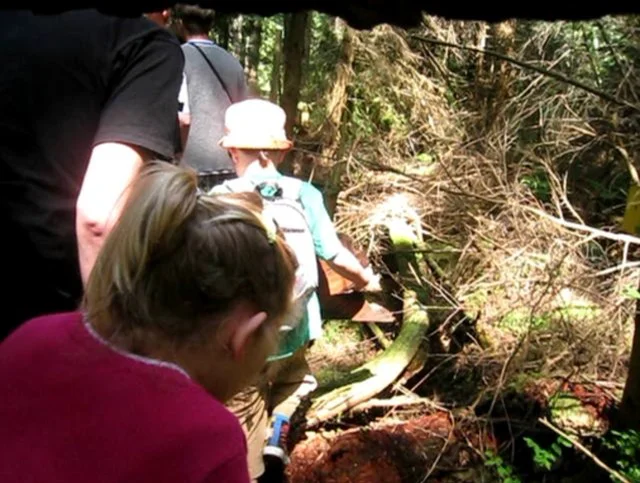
(209, 179)
(213, 69)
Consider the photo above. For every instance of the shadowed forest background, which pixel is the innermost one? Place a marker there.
(514, 146)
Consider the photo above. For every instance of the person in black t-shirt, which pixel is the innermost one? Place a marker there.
(85, 99)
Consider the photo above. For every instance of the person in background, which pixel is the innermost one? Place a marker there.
(85, 100)
(214, 80)
(257, 143)
(180, 312)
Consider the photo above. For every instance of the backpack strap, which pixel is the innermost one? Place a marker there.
(237, 185)
(283, 187)
(291, 188)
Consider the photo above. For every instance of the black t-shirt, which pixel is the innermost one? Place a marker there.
(69, 82)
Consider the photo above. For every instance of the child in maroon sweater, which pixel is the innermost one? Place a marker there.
(181, 310)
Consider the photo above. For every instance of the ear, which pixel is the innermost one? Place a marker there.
(233, 154)
(244, 330)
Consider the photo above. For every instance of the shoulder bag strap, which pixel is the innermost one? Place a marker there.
(213, 69)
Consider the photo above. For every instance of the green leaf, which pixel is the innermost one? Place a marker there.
(425, 158)
(504, 471)
(565, 442)
(631, 293)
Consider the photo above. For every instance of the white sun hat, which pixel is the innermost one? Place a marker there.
(255, 124)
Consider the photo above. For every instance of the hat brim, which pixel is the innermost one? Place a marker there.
(245, 143)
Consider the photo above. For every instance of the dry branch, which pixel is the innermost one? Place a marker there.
(540, 70)
(379, 335)
(621, 237)
(394, 402)
(491, 201)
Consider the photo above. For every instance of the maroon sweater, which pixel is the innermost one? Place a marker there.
(73, 409)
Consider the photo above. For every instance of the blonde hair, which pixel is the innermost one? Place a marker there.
(178, 260)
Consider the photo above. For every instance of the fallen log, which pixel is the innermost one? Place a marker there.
(384, 369)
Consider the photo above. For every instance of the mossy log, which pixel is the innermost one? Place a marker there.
(379, 373)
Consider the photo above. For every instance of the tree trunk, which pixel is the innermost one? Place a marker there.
(330, 132)
(630, 406)
(308, 38)
(235, 39)
(481, 82)
(294, 46)
(502, 73)
(221, 30)
(629, 413)
(276, 69)
(338, 96)
(254, 41)
(242, 41)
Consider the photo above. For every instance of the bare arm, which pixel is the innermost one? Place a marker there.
(184, 114)
(111, 168)
(328, 246)
(185, 124)
(347, 265)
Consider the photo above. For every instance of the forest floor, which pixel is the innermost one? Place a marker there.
(455, 433)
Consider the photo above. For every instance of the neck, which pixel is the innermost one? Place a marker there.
(241, 169)
(253, 164)
(194, 359)
(198, 37)
(142, 343)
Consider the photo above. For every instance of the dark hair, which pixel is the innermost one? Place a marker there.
(195, 20)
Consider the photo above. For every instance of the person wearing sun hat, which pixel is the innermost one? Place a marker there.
(255, 138)
(255, 124)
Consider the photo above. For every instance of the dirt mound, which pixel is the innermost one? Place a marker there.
(391, 453)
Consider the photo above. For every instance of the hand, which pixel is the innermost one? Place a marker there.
(373, 284)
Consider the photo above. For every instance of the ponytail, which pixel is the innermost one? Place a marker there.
(176, 259)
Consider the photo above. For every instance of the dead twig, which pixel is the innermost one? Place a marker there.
(621, 237)
(396, 402)
(384, 341)
(583, 448)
